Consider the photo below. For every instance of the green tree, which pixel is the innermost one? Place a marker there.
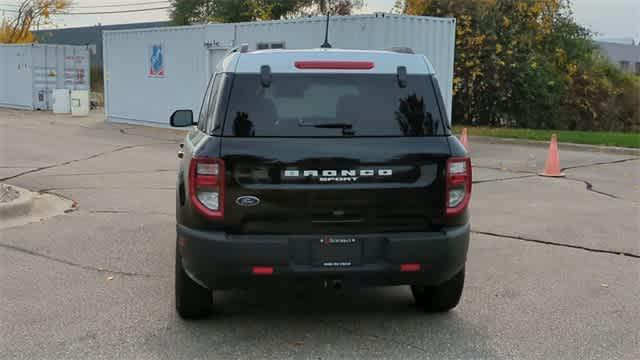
(528, 64)
(203, 11)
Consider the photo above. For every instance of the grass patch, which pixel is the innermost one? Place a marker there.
(626, 139)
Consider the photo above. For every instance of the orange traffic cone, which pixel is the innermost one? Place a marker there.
(464, 139)
(552, 166)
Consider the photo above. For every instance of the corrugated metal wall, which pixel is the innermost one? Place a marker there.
(89, 35)
(30, 73)
(58, 67)
(16, 88)
(133, 96)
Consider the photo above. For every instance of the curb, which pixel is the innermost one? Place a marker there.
(570, 146)
(18, 207)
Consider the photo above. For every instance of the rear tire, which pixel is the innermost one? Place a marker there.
(440, 298)
(192, 300)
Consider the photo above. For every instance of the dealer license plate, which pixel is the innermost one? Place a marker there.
(337, 251)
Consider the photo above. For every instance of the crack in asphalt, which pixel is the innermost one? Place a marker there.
(74, 264)
(108, 188)
(600, 163)
(110, 130)
(129, 212)
(504, 169)
(117, 149)
(122, 172)
(504, 179)
(589, 187)
(125, 132)
(553, 243)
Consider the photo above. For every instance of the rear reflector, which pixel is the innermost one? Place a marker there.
(409, 267)
(339, 65)
(262, 270)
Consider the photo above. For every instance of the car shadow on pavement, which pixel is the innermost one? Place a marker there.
(324, 323)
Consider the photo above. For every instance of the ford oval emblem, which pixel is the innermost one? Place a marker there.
(247, 201)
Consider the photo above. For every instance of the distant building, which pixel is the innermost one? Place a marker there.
(626, 56)
(89, 35)
(619, 40)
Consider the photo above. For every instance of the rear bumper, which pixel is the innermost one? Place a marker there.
(219, 260)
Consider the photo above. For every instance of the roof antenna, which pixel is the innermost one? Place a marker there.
(326, 44)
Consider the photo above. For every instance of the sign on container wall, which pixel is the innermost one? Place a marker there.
(156, 61)
(74, 70)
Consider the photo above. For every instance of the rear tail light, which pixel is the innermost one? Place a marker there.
(206, 186)
(458, 185)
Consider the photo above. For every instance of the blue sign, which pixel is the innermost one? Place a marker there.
(156, 61)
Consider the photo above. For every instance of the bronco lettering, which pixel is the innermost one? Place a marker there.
(337, 175)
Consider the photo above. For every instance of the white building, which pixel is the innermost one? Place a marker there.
(151, 72)
(625, 56)
(29, 73)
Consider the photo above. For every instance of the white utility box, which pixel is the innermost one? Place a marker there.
(79, 103)
(61, 101)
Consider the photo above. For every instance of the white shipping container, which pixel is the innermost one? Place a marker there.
(151, 72)
(29, 73)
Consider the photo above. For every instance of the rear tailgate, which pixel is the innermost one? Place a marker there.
(333, 185)
(333, 153)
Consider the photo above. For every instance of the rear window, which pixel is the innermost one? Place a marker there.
(312, 105)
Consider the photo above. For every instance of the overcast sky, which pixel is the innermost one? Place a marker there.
(609, 18)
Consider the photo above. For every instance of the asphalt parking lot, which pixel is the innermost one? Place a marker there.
(553, 268)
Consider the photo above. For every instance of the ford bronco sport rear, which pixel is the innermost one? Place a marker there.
(321, 166)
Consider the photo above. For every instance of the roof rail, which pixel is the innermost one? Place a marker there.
(402, 50)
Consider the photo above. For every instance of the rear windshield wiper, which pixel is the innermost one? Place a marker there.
(332, 126)
(347, 129)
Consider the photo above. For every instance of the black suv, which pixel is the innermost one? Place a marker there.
(324, 167)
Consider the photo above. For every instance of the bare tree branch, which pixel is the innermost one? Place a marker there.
(28, 14)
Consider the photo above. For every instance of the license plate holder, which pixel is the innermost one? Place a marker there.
(337, 251)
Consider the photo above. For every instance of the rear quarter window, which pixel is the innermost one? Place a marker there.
(316, 105)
